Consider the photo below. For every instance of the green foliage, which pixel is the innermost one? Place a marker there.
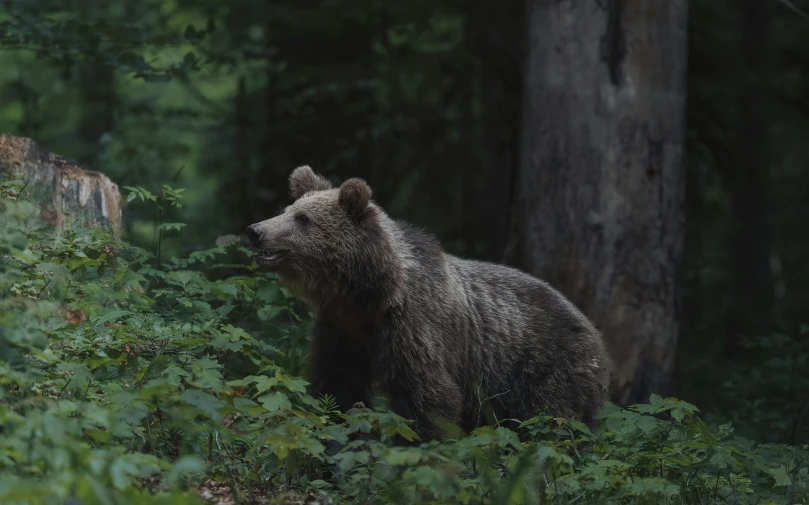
(122, 383)
(722, 302)
(116, 41)
(769, 397)
(189, 92)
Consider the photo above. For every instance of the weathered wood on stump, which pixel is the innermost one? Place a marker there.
(65, 192)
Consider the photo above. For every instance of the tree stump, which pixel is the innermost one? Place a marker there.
(64, 191)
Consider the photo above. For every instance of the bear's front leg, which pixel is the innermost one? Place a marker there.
(416, 379)
(431, 410)
(337, 366)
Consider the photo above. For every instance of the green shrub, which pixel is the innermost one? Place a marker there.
(125, 382)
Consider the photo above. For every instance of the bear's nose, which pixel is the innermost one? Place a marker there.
(253, 235)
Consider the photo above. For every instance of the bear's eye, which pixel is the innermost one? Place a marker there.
(302, 219)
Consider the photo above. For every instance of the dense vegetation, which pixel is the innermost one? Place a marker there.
(124, 382)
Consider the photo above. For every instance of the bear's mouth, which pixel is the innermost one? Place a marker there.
(271, 257)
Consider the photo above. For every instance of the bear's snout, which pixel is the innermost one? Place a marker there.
(253, 235)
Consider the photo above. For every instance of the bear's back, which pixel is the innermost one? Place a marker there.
(518, 308)
(498, 305)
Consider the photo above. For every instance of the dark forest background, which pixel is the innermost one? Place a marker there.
(648, 158)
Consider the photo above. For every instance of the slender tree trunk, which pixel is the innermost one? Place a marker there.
(272, 174)
(239, 186)
(99, 103)
(31, 121)
(99, 96)
(752, 285)
(599, 194)
(494, 36)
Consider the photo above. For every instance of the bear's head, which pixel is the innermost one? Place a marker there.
(331, 242)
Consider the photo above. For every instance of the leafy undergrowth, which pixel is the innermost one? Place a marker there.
(121, 382)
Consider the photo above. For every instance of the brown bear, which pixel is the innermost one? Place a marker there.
(445, 339)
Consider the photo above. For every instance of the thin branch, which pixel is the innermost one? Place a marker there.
(63, 388)
(795, 9)
(43, 288)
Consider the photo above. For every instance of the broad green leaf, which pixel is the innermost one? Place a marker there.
(402, 456)
(780, 475)
(205, 402)
(227, 240)
(274, 402)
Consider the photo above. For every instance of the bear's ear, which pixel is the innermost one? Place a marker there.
(303, 180)
(354, 196)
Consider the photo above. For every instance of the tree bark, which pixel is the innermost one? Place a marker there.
(750, 311)
(64, 191)
(599, 195)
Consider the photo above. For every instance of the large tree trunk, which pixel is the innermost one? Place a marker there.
(750, 311)
(599, 195)
(65, 192)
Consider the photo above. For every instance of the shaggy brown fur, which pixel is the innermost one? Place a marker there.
(444, 338)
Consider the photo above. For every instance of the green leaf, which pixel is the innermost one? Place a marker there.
(242, 382)
(182, 277)
(723, 458)
(224, 310)
(171, 226)
(654, 486)
(268, 312)
(121, 472)
(293, 384)
(265, 383)
(184, 466)
(274, 402)
(227, 240)
(780, 475)
(399, 429)
(581, 427)
(204, 402)
(112, 315)
(228, 289)
(262, 382)
(319, 484)
(210, 372)
(175, 374)
(647, 424)
(399, 456)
